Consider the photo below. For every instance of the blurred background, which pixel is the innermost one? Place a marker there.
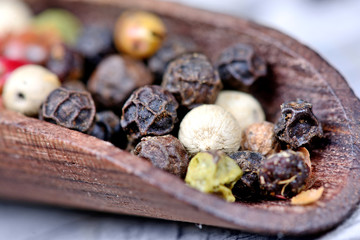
(330, 27)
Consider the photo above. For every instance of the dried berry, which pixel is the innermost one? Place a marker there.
(116, 78)
(248, 186)
(139, 34)
(70, 109)
(94, 43)
(209, 127)
(106, 126)
(239, 66)
(165, 152)
(59, 22)
(284, 173)
(260, 137)
(27, 88)
(193, 80)
(172, 48)
(150, 110)
(297, 124)
(65, 63)
(213, 172)
(243, 106)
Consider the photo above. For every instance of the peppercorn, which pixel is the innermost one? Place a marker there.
(172, 48)
(260, 137)
(72, 84)
(139, 33)
(209, 127)
(58, 22)
(150, 110)
(239, 66)
(65, 63)
(94, 43)
(7, 66)
(116, 78)
(248, 185)
(164, 152)
(297, 124)
(284, 173)
(243, 106)
(27, 88)
(193, 80)
(106, 126)
(15, 17)
(213, 172)
(70, 109)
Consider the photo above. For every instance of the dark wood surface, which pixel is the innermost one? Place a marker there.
(45, 163)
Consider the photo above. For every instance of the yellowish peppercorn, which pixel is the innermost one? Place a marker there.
(213, 172)
(139, 34)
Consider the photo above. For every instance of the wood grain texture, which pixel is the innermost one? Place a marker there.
(46, 163)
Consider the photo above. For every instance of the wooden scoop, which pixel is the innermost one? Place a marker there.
(46, 163)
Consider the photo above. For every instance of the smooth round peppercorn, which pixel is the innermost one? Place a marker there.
(115, 78)
(15, 17)
(213, 172)
(248, 185)
(27, 88)
(297, 124)
(59, 22)
(164, 152)
(7, 66)
(150, 110)
(139, 34)
(172, 48)
(70, 109)
(243, 106)
(209, 127)
(193, 80)
(239, 66)
(284, 173)
(260, 137)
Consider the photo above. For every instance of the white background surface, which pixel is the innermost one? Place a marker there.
(331, 27)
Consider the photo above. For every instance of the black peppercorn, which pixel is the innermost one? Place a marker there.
(248, 185)
(70, 109)
(165, 152)
(172, 48)
(193, 80)
(297, 124)
(114, 80)
(239, 66)
(150, 110)
(106, 125)
(65, 63)
(284, 173)
(94, 43)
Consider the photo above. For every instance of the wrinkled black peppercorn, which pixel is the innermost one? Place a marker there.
(172, 48)
(284, 173)
(239, 66)
(70, 109)
(192, 79)
(106, 125)
(297, 124)
(150, 110)
(114, 80)
(165, 152)
(248, 185)
(65, 63)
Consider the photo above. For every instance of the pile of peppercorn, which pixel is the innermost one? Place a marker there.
(159, 97)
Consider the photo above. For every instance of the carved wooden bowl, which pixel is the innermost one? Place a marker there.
(46, 163)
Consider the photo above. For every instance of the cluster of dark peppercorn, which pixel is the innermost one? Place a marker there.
(113, 97)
